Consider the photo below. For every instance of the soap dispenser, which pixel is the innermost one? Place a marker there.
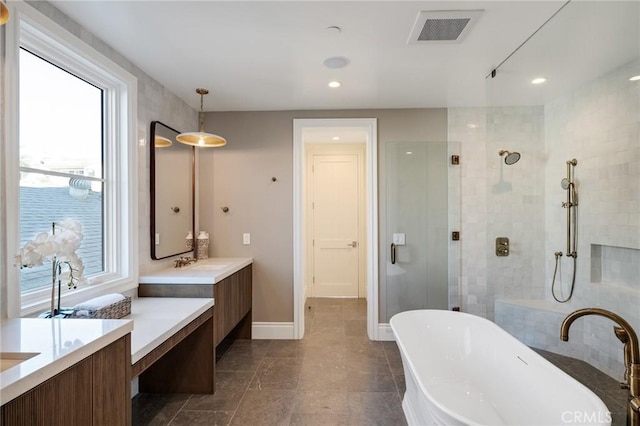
(203, 246)
(189, 240)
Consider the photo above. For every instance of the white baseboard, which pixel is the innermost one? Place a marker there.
(385, 333)
(272, 330)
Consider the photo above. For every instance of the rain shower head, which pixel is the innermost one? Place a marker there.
(511, 157)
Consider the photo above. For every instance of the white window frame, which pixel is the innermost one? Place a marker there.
(41, 36)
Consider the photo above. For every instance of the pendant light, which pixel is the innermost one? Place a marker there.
(4, 12)
(201, 138)
(162, 142)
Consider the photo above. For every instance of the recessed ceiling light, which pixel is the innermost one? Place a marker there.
(409, 152)
(538, 80)
(635, 78)
(336, 62)
(334, 84)
(336, 138)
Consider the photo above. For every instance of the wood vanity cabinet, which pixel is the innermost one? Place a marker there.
(232, 309)
(95, 391)
(233, 305)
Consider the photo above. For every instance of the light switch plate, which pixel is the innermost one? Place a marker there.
(398, 239)
(157, 238)
(246, 238)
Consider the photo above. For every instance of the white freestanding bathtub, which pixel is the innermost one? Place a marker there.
(461, 369)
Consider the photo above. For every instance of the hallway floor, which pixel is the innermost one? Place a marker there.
(334, 376)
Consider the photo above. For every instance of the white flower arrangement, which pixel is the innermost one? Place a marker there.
(58, 247)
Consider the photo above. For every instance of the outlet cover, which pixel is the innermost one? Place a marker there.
(246, 238)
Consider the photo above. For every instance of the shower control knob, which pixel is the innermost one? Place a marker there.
(502, 246)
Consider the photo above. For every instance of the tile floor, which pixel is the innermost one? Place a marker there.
(334, 376)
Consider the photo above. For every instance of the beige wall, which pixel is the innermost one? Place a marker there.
(238, 176)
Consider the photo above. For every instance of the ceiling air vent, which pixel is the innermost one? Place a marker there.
(442, 26)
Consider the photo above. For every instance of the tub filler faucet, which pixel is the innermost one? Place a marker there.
(625, 333)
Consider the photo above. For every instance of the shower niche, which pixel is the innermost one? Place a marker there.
(612, 265)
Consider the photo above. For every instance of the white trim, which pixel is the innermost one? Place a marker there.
(10, 211)
(273, 330)
(386, 333)
(53, 42)
(369, 125)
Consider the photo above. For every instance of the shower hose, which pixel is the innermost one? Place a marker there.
(573, 278)
(573, 255)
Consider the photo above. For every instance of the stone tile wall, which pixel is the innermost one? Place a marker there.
(598, 125)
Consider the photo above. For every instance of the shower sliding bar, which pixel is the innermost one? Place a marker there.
(569, 186)
(572, 231)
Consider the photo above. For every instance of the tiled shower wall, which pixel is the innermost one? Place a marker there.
(515, 201)
(500, 201)
(598, 125)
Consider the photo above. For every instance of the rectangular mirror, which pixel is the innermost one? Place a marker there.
(172, 192)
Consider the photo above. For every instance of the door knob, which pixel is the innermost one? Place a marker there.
(353, 244)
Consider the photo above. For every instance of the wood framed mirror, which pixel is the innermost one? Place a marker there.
(172, 166)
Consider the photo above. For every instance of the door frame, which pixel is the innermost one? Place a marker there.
(369, 126)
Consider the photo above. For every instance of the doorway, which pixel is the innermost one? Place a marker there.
(335, 220)
(306, 133)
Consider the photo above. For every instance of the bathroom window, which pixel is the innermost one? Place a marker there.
(61, 144)
(73, 114)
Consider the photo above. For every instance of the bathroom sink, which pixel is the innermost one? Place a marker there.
(11, 359)
(209, 267)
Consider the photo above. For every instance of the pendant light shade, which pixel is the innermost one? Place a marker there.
(162, 142)
(4, 13)
(201, 138)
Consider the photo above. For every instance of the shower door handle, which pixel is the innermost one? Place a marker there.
(393, 254)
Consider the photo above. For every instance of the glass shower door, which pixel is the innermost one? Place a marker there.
(415, 237)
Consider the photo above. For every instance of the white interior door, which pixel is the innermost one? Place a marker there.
(335, 221)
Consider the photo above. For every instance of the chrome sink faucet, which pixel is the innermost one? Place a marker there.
(184, 261)
(625, 333)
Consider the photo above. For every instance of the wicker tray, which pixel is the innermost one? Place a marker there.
(114, 311)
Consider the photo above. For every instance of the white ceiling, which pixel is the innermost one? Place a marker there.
(584, 41)
(267, 55)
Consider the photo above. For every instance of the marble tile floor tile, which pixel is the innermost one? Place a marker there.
(334, 376)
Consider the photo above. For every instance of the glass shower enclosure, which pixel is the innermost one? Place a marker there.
(418, 258)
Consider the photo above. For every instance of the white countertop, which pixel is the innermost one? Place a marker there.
(208, 271)
(158, 318)
(58, 343)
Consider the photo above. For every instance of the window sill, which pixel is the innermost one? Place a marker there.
(74, 297)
